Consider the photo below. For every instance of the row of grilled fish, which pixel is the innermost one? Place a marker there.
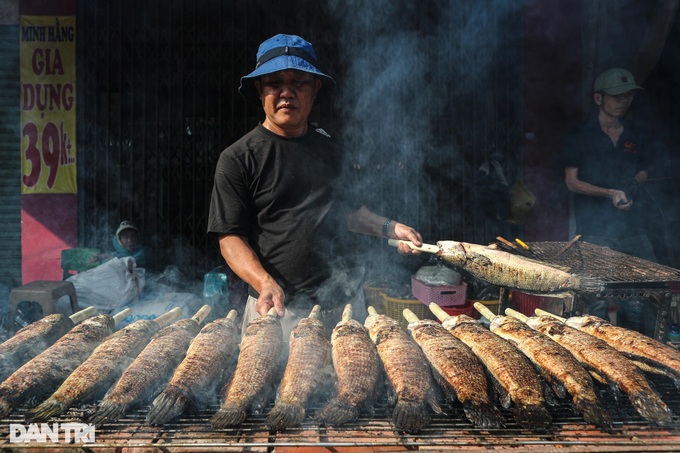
(525, 364)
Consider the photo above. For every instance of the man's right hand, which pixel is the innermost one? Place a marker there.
(271, 295)
(620, 200)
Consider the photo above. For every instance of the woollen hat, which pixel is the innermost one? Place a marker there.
(279, 53)
(615, 81)
(125, 225)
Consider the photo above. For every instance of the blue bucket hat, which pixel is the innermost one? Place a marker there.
(279, 53)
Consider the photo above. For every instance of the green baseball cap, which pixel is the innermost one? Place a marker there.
(615, 81)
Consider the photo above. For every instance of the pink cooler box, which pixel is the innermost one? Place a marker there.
(445, 296)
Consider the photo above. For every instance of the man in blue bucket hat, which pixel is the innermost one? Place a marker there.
(275, 205)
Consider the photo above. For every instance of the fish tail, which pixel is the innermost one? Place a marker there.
(285, 415)
(108, 411)
(47, 409)
(410, 416)
(650, 406)
(593, 412)
(336, 412)
(5, 408)
(228, 415)
(532, 416)
(169, 404)
(591, 284)
(483, 415)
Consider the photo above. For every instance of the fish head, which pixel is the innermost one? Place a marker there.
(578, 322)
(421, 324)
(453, 252)
(457, 320)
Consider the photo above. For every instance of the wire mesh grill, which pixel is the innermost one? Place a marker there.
(193, 432)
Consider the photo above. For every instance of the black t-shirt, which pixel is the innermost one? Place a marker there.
(279, 193)
(602, 164)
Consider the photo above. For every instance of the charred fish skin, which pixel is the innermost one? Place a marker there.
(203, 370)
(149, 372)
(509, 368)
(631, 343)
(309, 363)
(357, 367)
(597, 355)
(257, 365)
(31, 341)
(44, 373)
(458, 371)
(407, 371)
(513, 271)
(96, 374)
(557, 365)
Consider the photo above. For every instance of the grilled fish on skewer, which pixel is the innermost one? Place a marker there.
(42, 375)
(309, 365)
(151, 370)
(357, 367)
(557, 365)
(201, 373)
(508, 270)
(631, 343)
(514, 377)
(107, 362)
(596, 355)
(457, 370)
(35, 338)
(407, 371)
(257, 365)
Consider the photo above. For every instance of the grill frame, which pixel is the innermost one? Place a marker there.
(625, 277)
(193, 433)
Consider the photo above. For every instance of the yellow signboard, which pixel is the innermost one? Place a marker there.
(48, 104)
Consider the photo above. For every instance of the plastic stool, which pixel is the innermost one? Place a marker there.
(43, 292)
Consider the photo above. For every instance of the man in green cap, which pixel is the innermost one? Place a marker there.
(605, 162)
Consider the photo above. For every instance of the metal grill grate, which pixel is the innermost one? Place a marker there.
(452, 431)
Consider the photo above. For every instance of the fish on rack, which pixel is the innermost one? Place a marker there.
(43, 374)
(151, 370)
(309, 366)
(357, 367)
(649, 354)
(513, 376)
(606, 364)
(257, 365)
(508, 270)
(203, 371)
(96, 374)
(457, 370)
(35, 338)
(555, 363)
(407, 370)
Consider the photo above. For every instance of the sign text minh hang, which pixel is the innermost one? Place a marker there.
(48, 101)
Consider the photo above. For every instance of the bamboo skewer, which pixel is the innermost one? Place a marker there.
(484, 311)
(315, 312)
(439, 312)
(515, 314)
(410, 316)
(232, 315)
(118, 317)
(166, 318)
(83, 314)
(201, 314)
(540, 312)
(347, 313)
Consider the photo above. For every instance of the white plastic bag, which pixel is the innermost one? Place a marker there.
(110, 285)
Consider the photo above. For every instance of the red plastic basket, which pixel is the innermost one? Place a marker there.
(467, 309)
(442, 295)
